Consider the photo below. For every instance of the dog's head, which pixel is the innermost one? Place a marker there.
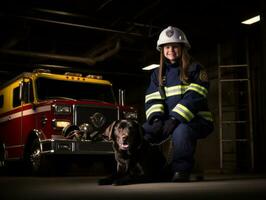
(127, 135)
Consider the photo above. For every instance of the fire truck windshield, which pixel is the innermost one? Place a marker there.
(51, 88)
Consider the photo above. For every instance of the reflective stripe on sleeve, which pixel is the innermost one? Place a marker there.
(153, 109)
(198, 88)
(153, 96)
(184, 112)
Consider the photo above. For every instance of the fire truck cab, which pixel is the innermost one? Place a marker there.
(42, 113)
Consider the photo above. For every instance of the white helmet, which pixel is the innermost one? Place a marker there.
(172, 35)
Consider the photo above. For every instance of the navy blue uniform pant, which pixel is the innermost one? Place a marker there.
(184, 138)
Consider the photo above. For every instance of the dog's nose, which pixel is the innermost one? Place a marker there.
(124, 138)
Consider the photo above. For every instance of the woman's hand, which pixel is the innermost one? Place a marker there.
(170, 125)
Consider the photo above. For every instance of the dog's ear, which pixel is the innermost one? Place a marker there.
(108, 131)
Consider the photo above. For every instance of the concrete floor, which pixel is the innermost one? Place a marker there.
(252, 187)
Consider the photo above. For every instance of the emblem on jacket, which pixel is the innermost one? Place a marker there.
(203, 76)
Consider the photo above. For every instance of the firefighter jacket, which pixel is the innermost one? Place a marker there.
(183, 101)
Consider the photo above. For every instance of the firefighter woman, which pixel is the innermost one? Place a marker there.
(176, 102)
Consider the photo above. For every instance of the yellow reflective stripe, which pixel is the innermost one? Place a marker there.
(184, 112)
(198, 88)
(184, 88)
(175, 90)
(154, 95)
(206, 115)
(154, 108)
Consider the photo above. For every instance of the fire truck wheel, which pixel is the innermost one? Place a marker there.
(34, 161)
(35, 155)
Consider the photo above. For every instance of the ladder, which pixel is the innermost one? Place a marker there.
(235, 118)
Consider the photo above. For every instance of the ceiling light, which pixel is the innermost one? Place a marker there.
(252, 20)
(150, 67)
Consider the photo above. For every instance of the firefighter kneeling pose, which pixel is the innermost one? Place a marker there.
(176, 102)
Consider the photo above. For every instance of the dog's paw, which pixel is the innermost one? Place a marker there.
(105, 181)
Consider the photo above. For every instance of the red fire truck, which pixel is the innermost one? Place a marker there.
(42, 114)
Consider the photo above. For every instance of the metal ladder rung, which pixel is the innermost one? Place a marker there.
(234, 79)
(227, 66)
(235, 140)
(234, 122)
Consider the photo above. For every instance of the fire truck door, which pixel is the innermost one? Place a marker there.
(12, 126)
(28, 122)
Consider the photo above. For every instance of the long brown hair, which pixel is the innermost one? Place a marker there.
(185, 62)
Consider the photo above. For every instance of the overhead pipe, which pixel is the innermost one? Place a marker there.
(87, 61)
(108, 52)
(80, 26)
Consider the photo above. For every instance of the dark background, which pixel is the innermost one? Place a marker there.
(116, 38)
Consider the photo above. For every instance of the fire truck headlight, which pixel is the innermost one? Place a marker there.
(62, 109)
(131, 115)
(60, 123)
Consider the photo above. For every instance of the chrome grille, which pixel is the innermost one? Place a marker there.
(82, 113)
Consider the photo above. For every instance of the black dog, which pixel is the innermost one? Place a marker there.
(137, 161)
